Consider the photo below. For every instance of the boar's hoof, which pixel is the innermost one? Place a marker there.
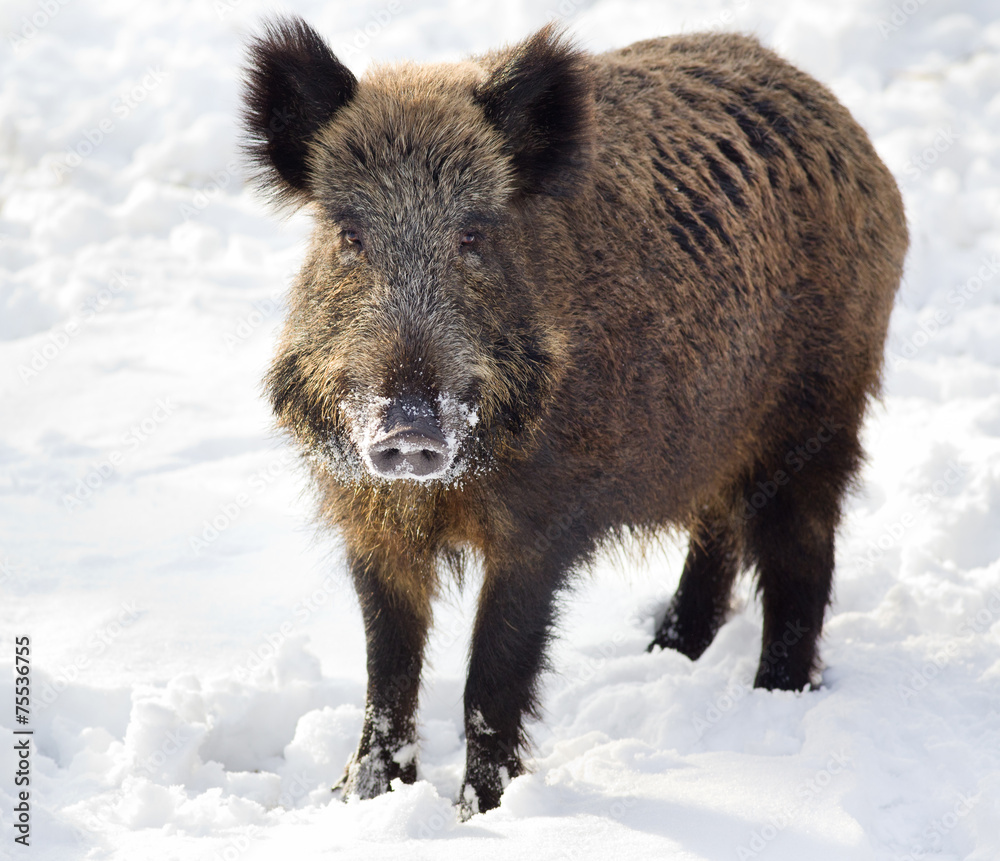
(371, 775)
(688, 634)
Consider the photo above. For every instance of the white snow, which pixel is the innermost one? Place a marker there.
(365, 416)
(197, 654)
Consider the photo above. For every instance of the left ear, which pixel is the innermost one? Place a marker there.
(294, 85)
(540, 98)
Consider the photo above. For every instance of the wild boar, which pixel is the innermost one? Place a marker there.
(555, 298)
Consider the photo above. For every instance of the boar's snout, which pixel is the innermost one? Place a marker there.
(410, 443)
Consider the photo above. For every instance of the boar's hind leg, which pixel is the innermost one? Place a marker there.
(513, 624)
(701, 603)
(395, 632)
(791, 541)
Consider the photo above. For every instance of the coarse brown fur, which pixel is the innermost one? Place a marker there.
(658, 281)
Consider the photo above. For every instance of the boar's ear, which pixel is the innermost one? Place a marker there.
(540, 99)
(293, 85)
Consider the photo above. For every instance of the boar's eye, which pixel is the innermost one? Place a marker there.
(352, 237)
(469, 239)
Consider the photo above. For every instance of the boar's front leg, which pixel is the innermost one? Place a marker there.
(396, 624)
(513, 625)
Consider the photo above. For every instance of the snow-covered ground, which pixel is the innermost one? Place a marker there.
(197, 654)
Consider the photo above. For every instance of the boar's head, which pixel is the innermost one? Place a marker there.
(419, 344)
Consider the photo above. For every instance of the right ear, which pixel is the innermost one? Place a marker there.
(540, 99)
(293, 85)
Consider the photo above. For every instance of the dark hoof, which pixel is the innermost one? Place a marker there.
(674, 634)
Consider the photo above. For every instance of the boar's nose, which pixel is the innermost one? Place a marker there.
(410, 443)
